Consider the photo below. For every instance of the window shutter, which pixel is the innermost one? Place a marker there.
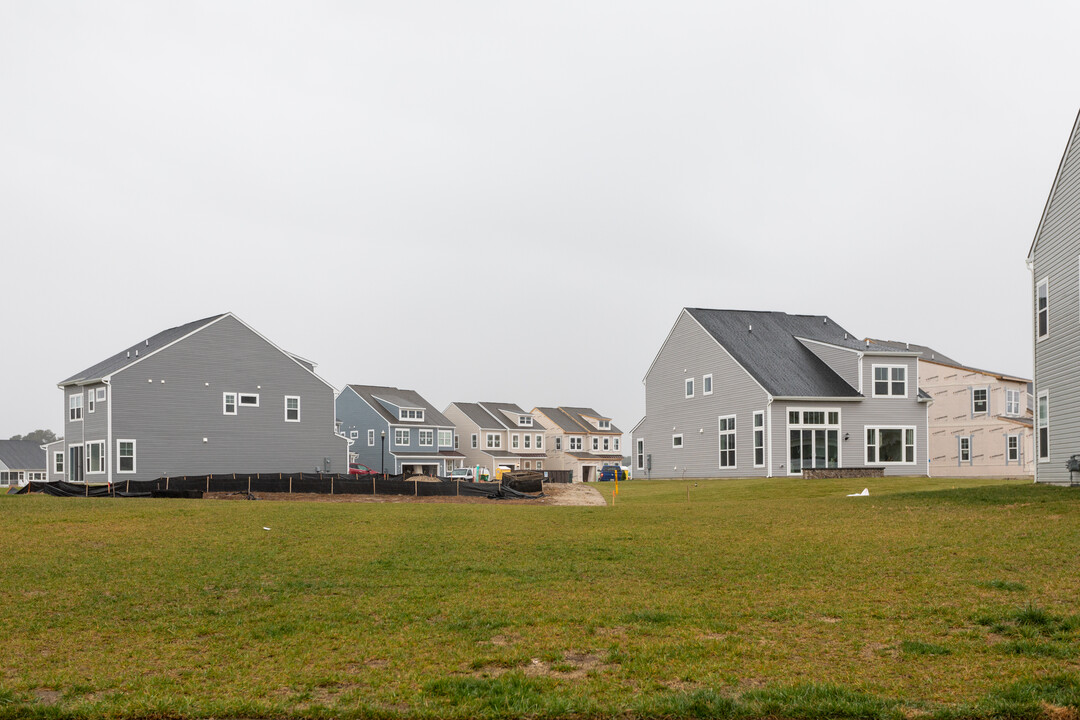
(971, 404)
(959, 454)
(971, 450)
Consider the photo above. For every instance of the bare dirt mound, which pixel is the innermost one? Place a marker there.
(572, 494)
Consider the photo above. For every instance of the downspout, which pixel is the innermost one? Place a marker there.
(109, 447)
(1030, 262)
(768, 429)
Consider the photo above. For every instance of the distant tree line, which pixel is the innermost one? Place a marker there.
(38, 436)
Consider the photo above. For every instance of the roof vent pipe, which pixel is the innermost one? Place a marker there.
(136, 353)
(147, 343)
(845, 336)
(867, 342)
(750, 328)
(907, 346)
(129, 353)
(824, 321)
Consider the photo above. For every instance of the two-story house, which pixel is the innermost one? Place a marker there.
(1054, 259)
(980, 423)
(735, 393)
(581, 440)
(397, 431)
(211, 396)
(493, 434)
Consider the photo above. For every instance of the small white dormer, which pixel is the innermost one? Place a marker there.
(411, 414)
(525, 421)
(603, 424)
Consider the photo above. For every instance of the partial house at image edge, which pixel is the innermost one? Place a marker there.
(1054, 260)
(209, 396)
(21, 461)
(736, 393)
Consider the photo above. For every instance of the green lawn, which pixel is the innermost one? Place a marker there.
(754, 598)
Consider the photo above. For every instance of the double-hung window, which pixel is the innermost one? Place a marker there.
(427, 438)
(1012, 449)
(979, 402)
(474, 440)
(640, 454)
(527, 441)
(689, 387)
(727, 442)
(58, 462)
(1042, 308)
(890, 381)
(759, 439)
(90, 400)
(1043, 420)
(615, 443)
(402, 436)
(292, 408)
(75, 405)
(1012, 402)
(515, 441)
(371, 438)
(125, 456)
(95, 457)
(446, 438)
(228, 403)
(964, 455)
(539, 442)
(596, 443)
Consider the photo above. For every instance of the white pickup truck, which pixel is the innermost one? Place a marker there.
(468, 474)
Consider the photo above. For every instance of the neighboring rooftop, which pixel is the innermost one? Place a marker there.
(929, 354)
(483, 419)
(498, 410)
(572, 420)
(22, 455)
(401, 398)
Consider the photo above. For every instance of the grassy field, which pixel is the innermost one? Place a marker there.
(756, 598)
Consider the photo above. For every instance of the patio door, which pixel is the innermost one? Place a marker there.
(75, 463)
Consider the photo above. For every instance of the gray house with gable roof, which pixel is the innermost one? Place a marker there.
(210, 396)
(21, 462)
(735, 393)
(397, 431)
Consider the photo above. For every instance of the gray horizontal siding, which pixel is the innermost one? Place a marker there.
(1056, 257)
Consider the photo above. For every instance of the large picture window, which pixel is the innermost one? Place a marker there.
(890, 445)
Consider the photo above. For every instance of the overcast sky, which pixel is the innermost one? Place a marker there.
(512, 201)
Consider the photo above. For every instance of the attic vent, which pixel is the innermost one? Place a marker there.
(824, 321)
(845, 336)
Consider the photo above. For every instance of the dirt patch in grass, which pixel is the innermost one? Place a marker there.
(48, 696)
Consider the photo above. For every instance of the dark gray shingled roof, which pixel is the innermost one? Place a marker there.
(564, 421)
(480, 416)
(138, 351)
(22, 455)
(497, 409)
(401, 398)
(766, 345)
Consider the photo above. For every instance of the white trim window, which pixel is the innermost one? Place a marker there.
(539, 464)
(525, 421)
(558, 443)
(354, 434)
(539, 442)
(890, 381)
(727, 441)
(475, 441)
(689, 387)
(446, 438)
(890, 445)
(1012, 402)
(75, 406)
(526, 441)
(759, 438)
(706, 385)
(1042, 309)
(426, 437)
(640, 453)
(228, 403)
(603, 424)
(371, 438)
(292, 408)
(676, 441)
(615, 443)
(1043, 425)
(125, 456)
(493, 441)
(95, 457)
(964, 450)
(980, 401)
(248, 400)
(596, 444)
(58, 462)
(515, 441)
(101, 394)
(1012, 449)
(411, 414)
(575, 442)
(402, 436)
(607, 444)
(90, 395)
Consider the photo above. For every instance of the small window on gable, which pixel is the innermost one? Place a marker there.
(604, 424)
(228, 403)
(249, 399)
(525, 420)
(689, 387)
(706, 385)
(371, 438)
(676, 441)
